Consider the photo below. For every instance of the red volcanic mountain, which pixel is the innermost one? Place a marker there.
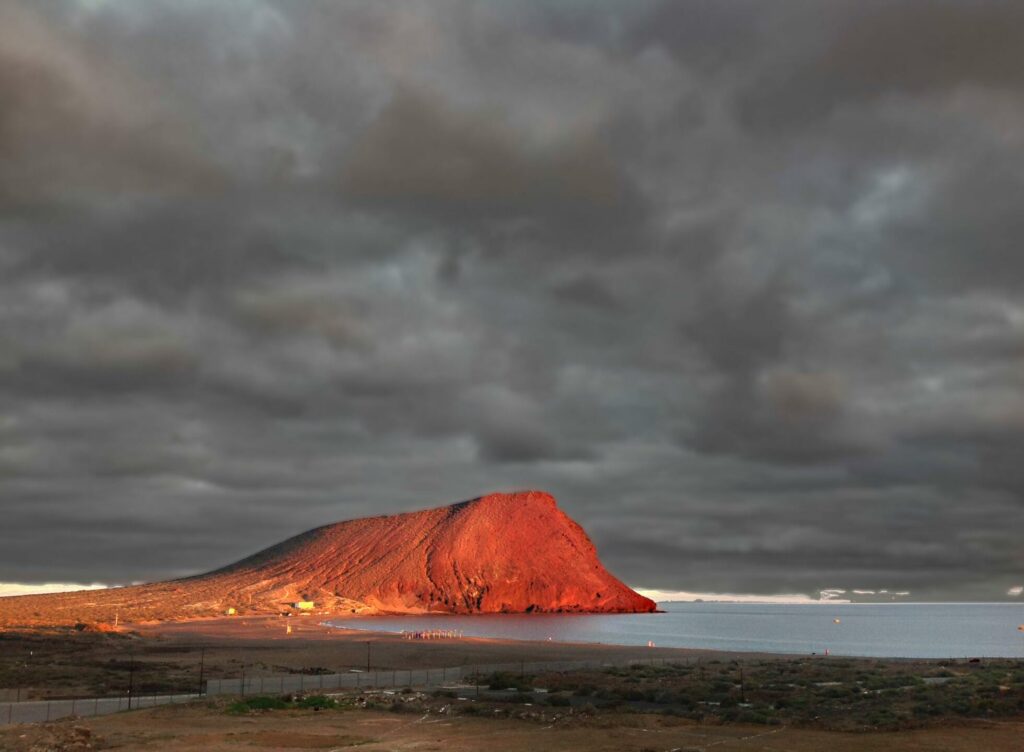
(500, 553)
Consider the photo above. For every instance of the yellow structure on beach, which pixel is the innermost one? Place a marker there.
(304, 605)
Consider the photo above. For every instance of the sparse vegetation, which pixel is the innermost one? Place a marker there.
(839, 695)
(863, 695)
(253, 704)
(814, 692)
(264, 703)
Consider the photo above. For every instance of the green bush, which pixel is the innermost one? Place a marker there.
(249, 704)
(502, 680)
(317, 702)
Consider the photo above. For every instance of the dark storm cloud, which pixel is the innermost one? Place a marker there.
(421, 156)
(875, 49)
(738, 282)
(74, 127)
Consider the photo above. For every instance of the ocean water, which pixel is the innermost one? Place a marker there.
(903, 630)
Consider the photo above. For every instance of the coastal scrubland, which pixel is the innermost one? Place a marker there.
(671, 699)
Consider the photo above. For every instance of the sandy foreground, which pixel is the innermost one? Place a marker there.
(198, 728)
(263, 646)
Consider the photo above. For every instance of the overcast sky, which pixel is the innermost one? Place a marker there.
(741, 283)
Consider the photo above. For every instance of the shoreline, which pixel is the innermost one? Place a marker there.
(862, 637)
(228, 630)
(242, 630)
(327, 627)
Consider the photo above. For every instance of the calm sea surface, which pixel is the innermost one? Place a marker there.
(905, 630)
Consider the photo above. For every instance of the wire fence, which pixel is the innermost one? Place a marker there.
(35, 711)
(388, 679)
(39, 711)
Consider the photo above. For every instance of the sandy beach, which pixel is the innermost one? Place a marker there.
(311, 643)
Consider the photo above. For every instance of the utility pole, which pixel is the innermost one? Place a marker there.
(131, 678)
(367, 656)
(202, 661)
(743, 687)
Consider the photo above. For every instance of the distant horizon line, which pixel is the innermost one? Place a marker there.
(1013, 596)
(825, 597)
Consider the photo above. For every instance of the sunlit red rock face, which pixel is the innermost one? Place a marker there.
(500, 553)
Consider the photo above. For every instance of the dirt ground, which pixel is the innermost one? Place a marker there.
(200, 728)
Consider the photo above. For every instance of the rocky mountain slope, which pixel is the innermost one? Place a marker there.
(499, 553)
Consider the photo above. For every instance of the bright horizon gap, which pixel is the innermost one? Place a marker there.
(17, 588)
(682, 596)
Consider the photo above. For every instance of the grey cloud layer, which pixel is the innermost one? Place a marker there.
(738, 282)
